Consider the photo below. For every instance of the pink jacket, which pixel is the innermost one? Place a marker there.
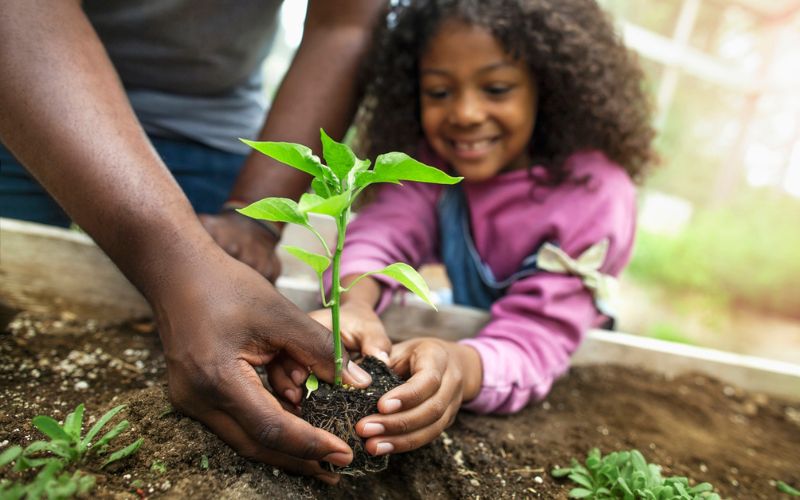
(542, 319)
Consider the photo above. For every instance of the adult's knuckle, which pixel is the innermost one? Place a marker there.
(269, 431)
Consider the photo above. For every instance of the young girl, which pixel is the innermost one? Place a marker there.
(538, 106)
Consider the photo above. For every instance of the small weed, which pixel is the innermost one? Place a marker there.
(158, 467)
(785, 488)
(204, 462)
(66, 447)
(627, 475)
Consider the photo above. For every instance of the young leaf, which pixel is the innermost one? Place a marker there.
(50, 428)
(124, 452)
(114, 432)
(74, 422)
(312, 384)
(10, 455)
(339, 157)
(559, 472)
(100, 424)
(394, 167)
(321, 188)
(580, 493)
(409, 278)
(319, 263)
(332, 205)
(276, 210)
(294, 155)
(785, 488)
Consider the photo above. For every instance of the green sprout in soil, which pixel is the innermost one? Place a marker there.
(65, 448)
(785, 488)
(336, 185)
(627, 475)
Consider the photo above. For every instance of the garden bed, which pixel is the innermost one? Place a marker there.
(78, 339)
(693, 425)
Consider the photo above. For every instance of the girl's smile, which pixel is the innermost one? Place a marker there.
(477, 103)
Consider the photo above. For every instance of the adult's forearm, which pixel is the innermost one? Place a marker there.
(319, 91)
(65, 116)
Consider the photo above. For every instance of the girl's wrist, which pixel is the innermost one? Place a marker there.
(471, 370)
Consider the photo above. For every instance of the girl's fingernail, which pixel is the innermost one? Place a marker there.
(373, 429)
(298, 376)
(391, 405)
(384, 448)
(382, 356)
(358, 373)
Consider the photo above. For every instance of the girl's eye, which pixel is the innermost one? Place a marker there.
(497, 90)
(436, 93)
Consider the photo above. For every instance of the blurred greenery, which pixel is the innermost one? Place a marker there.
(746, 253)
(668, 332)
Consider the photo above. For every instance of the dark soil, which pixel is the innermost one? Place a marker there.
(692, 425)
(338, 409)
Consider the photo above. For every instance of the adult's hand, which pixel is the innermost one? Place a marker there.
(216, 326)
(245, 240)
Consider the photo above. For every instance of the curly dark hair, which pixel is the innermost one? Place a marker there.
(589, 84)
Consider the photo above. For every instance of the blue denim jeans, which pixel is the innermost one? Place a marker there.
(205, 174)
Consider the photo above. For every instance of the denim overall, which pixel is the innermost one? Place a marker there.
(472, 280)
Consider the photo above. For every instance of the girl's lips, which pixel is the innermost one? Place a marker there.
(472, 150)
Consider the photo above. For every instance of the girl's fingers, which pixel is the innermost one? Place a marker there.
(322, 316)
(419, 417)
(381, 445)
(427, 364)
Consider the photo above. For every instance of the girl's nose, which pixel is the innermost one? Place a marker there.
(467, 110)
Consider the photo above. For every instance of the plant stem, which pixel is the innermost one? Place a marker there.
(336, 290)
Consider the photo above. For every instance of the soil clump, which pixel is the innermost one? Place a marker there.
(338, 409)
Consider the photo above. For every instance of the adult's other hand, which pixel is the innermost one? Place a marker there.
(246, 241)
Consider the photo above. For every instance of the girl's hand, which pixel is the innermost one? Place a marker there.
(362, 331)
(443, 374)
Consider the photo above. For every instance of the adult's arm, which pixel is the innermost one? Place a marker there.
(318, 91)
(65, 116)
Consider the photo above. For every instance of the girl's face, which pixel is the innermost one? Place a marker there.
(478, 105)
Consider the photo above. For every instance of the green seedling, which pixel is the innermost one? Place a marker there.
(785, 488)
(158, 467)
(336, 185)
(204, 462)
(66, 447)
(627, 475)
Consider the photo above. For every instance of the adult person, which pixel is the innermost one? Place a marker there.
(65, 116)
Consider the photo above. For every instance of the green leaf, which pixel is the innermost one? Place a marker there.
(582, 480)
(294, 155)
(559, 472)
(74, 422)
(409, 278)
(99, 425)
(580, 493)
(276, 210)
(319, 263)
(124, 452)
(50, 428)
(395, 167)
(10, 455)
(312, 384)
(108, 436)
(204, 462)
(339, 157)
(789, 490)
(332, 205)
(321, 188)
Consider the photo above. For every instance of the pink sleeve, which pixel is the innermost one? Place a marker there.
(400, 225)
(542, 319)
